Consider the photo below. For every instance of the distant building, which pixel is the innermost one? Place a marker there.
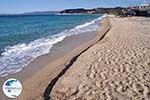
(144, 7)
(142, 10)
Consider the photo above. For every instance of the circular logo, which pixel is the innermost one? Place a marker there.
(12, 88)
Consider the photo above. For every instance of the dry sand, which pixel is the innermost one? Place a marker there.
(116, 68)
(38, 85)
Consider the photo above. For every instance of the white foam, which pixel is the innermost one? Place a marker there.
(18, 56)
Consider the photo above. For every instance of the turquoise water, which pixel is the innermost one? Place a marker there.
(23, 38)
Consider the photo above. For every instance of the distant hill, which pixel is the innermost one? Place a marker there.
(115, 10)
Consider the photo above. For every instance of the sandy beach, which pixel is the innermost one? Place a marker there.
(115, 68)
(75, 50)
(111, 64)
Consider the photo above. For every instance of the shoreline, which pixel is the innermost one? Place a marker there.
(42, 78)
(32, 69)
(56, 52)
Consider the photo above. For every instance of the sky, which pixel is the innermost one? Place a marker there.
(21, 6)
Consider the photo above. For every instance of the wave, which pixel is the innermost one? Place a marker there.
(14, 58)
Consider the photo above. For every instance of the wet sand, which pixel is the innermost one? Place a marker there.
(36, 76)
(116, 68)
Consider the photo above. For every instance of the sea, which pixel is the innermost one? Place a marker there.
(26, 37)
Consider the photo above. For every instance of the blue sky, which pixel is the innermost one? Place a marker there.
(20, 6)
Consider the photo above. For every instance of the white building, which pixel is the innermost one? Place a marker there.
(144, 7)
